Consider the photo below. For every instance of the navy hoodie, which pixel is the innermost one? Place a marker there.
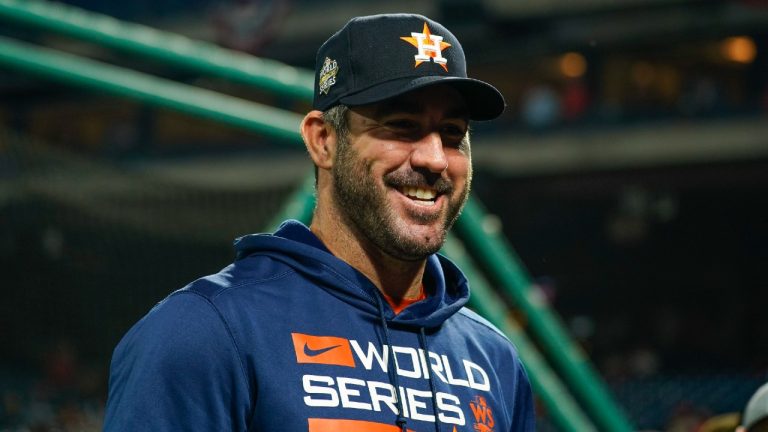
(290, 338)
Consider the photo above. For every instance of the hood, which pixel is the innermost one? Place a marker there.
(296, 246)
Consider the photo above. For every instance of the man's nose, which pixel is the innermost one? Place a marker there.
(428, 153)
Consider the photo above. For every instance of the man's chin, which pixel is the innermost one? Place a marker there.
(417, 241)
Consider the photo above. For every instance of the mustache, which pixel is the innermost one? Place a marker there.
(400, 179)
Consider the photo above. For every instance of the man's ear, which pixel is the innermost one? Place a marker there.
(319, 138)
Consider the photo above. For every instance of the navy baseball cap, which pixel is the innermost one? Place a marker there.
(377, 57)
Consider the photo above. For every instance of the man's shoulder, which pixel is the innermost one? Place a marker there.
(249, 283)
(481, 322)
(484, 328)
(253, 271)
(215, 301)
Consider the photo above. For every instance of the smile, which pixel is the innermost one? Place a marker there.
(420, 195)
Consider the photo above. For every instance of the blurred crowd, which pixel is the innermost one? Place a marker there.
(543, 106)
(63, 395)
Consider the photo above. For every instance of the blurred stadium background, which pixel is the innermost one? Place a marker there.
(629, 172)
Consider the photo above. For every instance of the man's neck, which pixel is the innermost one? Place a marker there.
(396, 278)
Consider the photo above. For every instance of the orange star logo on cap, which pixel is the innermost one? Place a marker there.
(429, 47)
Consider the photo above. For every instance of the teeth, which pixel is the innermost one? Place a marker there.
(420, 193)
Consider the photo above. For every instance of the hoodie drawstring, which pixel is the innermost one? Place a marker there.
(391, 369)
(425, 347)
(401, 421)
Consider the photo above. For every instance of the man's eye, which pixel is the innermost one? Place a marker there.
(403, 125)
(453, 131)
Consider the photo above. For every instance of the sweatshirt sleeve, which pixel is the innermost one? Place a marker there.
(524, 419)
(178, 369)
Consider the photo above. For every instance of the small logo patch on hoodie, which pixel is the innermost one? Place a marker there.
(484, 421)
(330, 350)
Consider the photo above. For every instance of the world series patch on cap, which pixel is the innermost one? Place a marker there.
(378, 57)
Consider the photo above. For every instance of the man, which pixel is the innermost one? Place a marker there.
(352, 324)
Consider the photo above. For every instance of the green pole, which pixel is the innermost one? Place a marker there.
(567, 357)
(299, 205)
(565, 412)
(152, 90)
(165, 46)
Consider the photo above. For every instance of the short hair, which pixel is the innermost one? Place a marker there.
(336, 116)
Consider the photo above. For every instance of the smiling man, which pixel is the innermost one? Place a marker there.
(354, 323)
(391, 183)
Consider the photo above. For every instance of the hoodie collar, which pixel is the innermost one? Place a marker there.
(294, 244)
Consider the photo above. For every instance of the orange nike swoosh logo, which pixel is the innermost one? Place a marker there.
(330, 350)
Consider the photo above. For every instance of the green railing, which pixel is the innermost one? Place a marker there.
(567, 357)
(561, 406)
(491, 248)
(164, 46)
(149, 89)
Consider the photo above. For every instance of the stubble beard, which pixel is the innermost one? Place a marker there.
(365, 207)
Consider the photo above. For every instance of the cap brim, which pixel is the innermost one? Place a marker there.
(483, 101)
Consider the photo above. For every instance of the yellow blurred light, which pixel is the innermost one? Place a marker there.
(573, 65)
(740, 49)
(643, 74)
